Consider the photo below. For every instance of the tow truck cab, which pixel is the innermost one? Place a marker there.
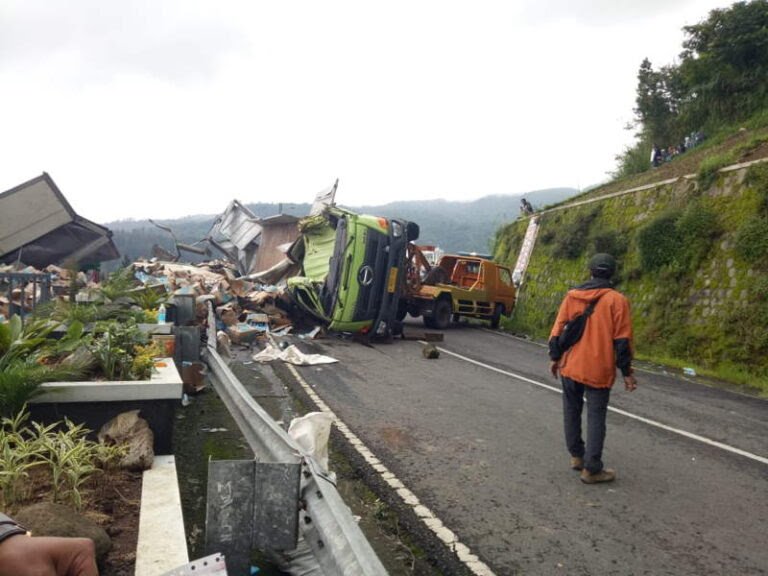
(352, 269)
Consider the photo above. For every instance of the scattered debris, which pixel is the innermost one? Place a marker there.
(430, 352)
(129, 429)
(193, 376)
(292, 355)
(311, 433)
(41, 228)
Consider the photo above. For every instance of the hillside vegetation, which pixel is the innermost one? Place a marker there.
(693, 252)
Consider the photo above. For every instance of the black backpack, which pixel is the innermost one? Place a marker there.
(574, 329)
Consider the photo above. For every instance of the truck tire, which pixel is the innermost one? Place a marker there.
(441, 316)
(496, 316)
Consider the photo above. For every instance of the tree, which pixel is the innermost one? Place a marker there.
(724, 64)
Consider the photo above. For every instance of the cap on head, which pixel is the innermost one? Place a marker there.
(603, 264)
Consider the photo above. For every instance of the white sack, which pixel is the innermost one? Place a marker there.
(311, 433)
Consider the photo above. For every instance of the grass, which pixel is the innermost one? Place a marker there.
(755, 132)
(724, 373)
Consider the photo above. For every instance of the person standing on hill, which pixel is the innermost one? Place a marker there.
(588, 367)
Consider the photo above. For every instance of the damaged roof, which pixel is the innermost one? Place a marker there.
(39, 227)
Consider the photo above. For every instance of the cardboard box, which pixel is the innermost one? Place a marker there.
(242, 333)
(167, 344)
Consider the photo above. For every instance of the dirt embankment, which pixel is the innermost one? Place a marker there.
(685, 164)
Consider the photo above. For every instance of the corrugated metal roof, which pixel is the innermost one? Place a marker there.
(30, 211)
(39, 227)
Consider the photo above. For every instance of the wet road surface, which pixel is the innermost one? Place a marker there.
(477, 437)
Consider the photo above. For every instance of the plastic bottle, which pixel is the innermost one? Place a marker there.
(161, 314)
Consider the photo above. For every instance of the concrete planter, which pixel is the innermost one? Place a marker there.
(95, 403)
(165, 384)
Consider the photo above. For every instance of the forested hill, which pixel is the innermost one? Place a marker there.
(468, 226)
(451, 225)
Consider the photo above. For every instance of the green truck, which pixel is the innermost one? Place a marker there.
(352, 270)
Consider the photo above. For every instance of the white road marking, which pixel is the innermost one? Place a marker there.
(430, 520)
(540, 345)
(648, 421)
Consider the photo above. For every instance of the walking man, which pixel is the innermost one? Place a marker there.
(588, 368)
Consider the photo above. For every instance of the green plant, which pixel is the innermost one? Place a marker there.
(696, 228)
(70, 457)
(752, 240)
(115, 348)
(612, 242)
(658, 241)
(710, 166)
(633, 160)
(16, 457)
(21, 368)
(149, 299)
(18, 341)
(20, 381)
(118, 285)
(572, 237)
(757, 179)
(144, 360)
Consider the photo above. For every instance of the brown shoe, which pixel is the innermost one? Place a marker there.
(605, 475)
(577, 463)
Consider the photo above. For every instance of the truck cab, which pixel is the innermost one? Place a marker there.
(462, 286)
(352, 269)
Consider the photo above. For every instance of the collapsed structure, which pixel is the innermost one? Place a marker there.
(38, 227)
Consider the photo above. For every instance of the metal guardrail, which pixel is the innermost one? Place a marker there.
(325, 522)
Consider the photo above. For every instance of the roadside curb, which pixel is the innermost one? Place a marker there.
(162, 543)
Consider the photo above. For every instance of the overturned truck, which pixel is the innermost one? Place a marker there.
(353, 268)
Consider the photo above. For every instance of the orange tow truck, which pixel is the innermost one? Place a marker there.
(458, 285)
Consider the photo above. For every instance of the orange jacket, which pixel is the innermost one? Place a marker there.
(606, 342)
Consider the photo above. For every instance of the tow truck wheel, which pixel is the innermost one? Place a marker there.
(496, 317)
(441, 316)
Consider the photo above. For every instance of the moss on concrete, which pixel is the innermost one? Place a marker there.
(706, 306)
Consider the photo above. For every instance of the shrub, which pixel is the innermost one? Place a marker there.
(757, 179)
(752, 240)
(611, 242)
(572, 237)
(116, 347)
(633, 160)
(697, 228)
(61, 448)
(658, 241)
(709, 167)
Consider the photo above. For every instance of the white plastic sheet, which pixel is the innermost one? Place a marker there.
(311, 433)
(292, 355)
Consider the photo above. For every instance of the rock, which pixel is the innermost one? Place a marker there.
(430, 352)
(49, 519)
(81, 357)
(130, 429)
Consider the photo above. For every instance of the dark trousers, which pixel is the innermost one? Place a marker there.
(597, 408)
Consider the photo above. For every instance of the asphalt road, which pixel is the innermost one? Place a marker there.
(483, 449)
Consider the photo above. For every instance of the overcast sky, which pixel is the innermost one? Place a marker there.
(168, 108)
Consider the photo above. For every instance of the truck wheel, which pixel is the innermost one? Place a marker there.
(496, 317)
(442, 314)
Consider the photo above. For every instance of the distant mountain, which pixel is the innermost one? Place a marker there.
(465, 226)
(453, 226)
